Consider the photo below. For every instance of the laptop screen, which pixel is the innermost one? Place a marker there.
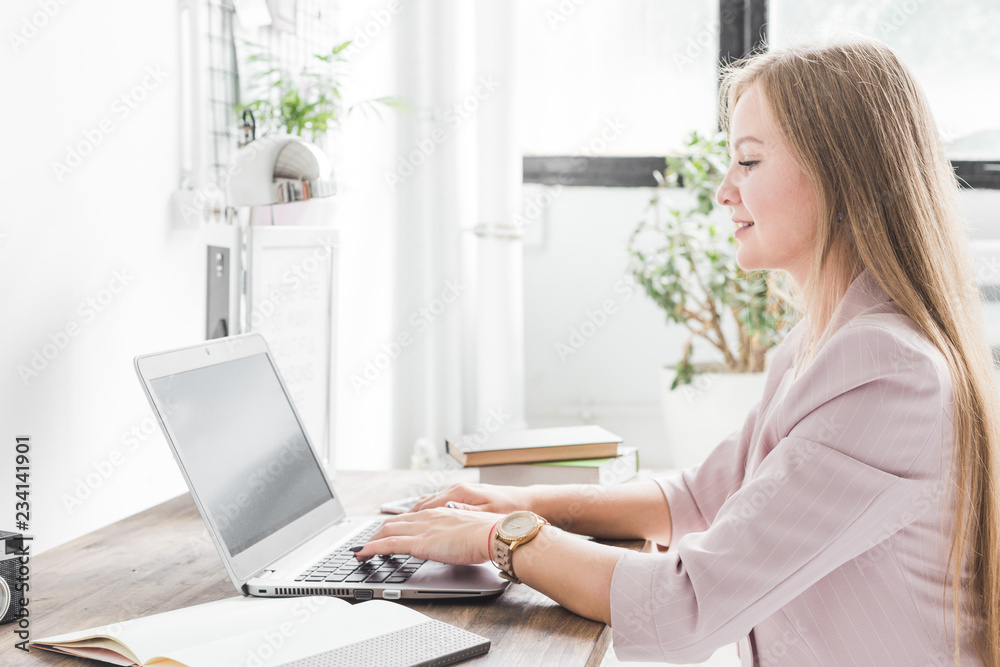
(242, 447)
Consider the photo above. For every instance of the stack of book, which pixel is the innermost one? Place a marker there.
(566, 455)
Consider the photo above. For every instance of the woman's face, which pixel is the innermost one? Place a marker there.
(764, 186)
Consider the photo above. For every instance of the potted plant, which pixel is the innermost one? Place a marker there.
(308, 102)
(685, 259)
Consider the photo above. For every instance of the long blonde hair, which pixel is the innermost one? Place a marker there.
(861, 129)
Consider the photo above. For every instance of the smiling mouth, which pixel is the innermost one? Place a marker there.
(743, 225)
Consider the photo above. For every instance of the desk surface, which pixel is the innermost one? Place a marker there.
(163, 559)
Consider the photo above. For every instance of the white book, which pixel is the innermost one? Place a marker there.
(269, 632)
(605, 471)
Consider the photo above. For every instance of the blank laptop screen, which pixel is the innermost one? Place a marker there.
(242, 448)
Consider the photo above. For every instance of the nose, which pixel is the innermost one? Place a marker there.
(727, 194)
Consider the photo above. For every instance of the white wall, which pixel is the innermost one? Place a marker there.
(65, 240)
(576, 279)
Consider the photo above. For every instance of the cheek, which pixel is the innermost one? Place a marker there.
(761, 199)
(786, 206)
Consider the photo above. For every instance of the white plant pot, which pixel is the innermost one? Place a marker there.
(700, 415)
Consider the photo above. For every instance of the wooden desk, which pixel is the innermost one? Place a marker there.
(163, 559)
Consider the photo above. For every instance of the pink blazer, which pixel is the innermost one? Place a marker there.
(818, 533)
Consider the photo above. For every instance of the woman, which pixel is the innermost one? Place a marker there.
(854, 518)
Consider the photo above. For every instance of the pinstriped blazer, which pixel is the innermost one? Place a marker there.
(818, 533)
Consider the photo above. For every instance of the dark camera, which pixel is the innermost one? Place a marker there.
(12, 591)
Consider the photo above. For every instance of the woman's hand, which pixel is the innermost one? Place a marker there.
(459, 537)
(480, 497)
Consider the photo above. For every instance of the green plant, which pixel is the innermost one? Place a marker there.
(309, 101)
(688, 267)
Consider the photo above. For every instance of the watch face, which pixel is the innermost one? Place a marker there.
(518, 524)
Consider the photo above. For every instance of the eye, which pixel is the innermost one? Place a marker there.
(749, 164)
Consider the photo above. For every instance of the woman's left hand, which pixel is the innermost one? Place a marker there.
(459, 537)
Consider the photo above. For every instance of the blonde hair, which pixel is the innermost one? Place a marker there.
(861, 129)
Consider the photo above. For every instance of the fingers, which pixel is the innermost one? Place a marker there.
(456, 496)
(439, 498)
(399, 544)
(390, 539)
(427, 501)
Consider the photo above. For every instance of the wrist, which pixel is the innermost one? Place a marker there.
(489, 541)
(513, 531)
(530, 498)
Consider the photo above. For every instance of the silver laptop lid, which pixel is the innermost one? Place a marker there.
(242, 449)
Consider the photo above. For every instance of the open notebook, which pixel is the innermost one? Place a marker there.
(289, 632)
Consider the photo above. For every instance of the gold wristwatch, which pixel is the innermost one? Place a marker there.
(511, 532)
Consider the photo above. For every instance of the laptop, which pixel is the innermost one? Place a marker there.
(266, 500)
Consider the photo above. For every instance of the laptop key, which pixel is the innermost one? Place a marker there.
(357, 577)
(337, 577)
(379, 576)
(396, 579)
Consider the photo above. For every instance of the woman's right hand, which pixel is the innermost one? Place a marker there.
(478, 497)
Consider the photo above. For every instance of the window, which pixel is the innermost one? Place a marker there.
(652, 64)
(953, 47)
(632, 77)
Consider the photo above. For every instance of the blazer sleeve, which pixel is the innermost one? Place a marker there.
(854, 469)
(694, 495)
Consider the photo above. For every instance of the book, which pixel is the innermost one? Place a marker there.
(605, 471)
(268, 632)
(530, 445)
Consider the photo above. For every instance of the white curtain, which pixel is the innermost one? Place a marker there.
(459, 287)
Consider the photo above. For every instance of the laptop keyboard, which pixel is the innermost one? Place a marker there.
(342, 567)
